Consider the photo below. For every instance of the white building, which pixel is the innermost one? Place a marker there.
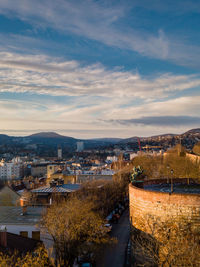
(133, 155)
(112, 158)
(10, 170)
(80, 146)
(107, 172)
(59, 153)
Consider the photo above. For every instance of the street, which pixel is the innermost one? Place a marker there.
(114, 256)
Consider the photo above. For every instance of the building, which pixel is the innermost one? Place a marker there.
(39, 169)
(56, 190)
(27, 224)
(59, 153)
(112, 159)
(11, 170)
(51, 169)
(8, 197)
(80, 146)
(154, 207)
(14, 242)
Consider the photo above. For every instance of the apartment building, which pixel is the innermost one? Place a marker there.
(11, 170)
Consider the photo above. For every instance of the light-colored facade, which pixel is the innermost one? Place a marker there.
(11, 170)
(112, 158)
(80, 146)
(51, 169)
(59, 153)
(39, 170)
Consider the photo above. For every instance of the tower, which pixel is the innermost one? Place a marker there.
(80, 146)
(59, 153)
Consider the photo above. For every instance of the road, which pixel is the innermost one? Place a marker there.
(114, 256)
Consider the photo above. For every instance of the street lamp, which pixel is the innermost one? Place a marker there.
(172, 172)
(168, 173)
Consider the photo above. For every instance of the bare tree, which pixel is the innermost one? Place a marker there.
(166, 243)
(75, 229)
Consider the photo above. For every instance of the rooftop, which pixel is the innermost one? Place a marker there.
(12, 215)
(20, 243)
(65, 188)
(177, 188)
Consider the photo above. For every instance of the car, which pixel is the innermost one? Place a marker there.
(86, 264)
(108, 226)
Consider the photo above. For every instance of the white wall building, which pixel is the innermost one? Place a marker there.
(10, 170)
(112, 158)
(59, 153)
(80, 146)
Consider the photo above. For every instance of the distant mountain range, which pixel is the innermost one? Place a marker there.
(54, 139)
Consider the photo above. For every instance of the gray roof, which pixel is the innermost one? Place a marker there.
(12, 215)
(72, 187)
(66, 188)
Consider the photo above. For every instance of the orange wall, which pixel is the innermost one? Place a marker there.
(163, 206)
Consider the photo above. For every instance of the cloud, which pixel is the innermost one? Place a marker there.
(180, 106)
(163, 121)
(100, 118)
(41, 74)
(104, 22)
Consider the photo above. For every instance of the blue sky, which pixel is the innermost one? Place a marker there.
(99, 68)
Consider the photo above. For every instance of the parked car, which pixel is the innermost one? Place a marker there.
(86, 264)
(108, 226)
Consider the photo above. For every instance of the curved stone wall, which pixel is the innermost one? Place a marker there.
(163, 206)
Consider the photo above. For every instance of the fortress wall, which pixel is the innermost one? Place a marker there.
(194, 158)
(163, 206)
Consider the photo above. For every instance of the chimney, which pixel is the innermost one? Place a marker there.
(60, 182)
(23, 204)
(3, 236)
(53, 184)
(36, 235)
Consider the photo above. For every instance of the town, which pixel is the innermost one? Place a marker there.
(31, 184)
(99, 133)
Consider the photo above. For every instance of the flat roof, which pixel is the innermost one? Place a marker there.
(177, 188)
(12, 215)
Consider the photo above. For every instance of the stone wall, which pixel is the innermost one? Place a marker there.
(194, 158)
(163, 206)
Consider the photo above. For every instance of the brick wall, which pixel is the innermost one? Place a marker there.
(194, 158)
(163, 206)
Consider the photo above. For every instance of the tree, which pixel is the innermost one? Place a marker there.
(105, 195)
(166, 243)
(182, 166)
(37, 259)
(75, 228)
(156, 167)
(196, 148)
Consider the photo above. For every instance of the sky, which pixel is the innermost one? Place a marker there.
(92, 69)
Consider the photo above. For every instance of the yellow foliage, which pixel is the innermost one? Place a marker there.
(75, 228)
(39, 258)
(167, 243)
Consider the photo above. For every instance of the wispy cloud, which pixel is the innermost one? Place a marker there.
(103, 22)
(180, 106)
(100, 117)
(163, 121)
(47, 75)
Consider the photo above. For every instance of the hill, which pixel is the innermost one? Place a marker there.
(4, 138)
(46, 135)
(43, 140)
